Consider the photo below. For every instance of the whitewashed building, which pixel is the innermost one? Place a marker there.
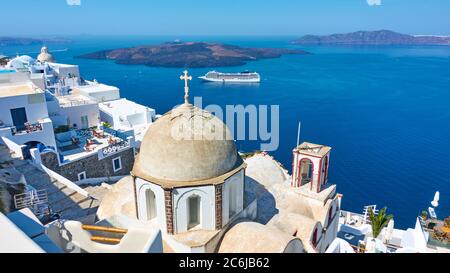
(78, 103)
(127, 116)
(24, 119)
(190, 181)
(98, 91)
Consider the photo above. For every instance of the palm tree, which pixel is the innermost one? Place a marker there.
(379, 221)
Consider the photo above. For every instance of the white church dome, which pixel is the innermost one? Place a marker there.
(187, 144)
(20, 62)
(45, 56)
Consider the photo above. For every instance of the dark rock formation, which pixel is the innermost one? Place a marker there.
(380, 37)
(189, 54)
(21, 41)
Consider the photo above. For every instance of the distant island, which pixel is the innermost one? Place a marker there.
(189, 54)
(22, 41)
(380, 37)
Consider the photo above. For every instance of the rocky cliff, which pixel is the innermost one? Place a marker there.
(189, 54)
(380, 37)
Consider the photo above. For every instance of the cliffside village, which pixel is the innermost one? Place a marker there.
(84, 170)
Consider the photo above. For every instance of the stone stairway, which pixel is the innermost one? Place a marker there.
(68, 203)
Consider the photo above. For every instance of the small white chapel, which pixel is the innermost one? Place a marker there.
(190, 182)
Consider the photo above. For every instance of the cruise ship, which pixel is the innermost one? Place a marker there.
(242, 77)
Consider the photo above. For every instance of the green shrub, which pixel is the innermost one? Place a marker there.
(424, 215)
(106, 124)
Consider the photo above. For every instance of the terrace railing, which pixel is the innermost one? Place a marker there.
(115, 133)
(28, 128)
(34, 200)
(114, 148)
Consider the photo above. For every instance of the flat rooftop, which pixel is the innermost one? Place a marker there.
(74, 100)
(313, 149)
(328, 191)
(19, 89)
(122, 107)
(62, 65)
(93, 87)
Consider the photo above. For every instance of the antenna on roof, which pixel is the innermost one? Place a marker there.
(298, 135)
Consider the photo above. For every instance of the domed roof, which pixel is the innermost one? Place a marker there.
(20, 62)
(253, 237)
(189, 145)
(45, 56)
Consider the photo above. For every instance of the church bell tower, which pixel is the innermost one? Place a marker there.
(310, 166)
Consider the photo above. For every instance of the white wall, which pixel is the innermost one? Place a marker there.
(74, 114)
(238, 180)
(106, 117)
(331, 229)
(136, 119)
(14, 77)
(34, 104)
(109, 93)
(64, 70)
(12, 146)
(15, 240)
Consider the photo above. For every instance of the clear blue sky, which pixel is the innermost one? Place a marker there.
(222, 17)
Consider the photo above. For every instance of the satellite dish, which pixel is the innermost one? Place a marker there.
(435, 201)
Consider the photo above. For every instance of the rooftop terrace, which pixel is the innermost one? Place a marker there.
(84, 143)
(19, 89)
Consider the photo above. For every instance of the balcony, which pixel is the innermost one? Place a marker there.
(27, 129)
(21, 140)
(40, 131)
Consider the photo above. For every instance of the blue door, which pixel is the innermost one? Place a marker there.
(19, 117)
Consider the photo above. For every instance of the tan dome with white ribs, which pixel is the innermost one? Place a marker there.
(187, 146)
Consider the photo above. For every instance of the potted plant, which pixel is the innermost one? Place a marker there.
(379, 221)
(106, 124)
(424, 215)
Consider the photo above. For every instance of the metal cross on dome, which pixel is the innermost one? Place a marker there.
(186, 80)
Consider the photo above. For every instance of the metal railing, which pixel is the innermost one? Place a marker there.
(30, 199)
(115, 133)
(28, 128)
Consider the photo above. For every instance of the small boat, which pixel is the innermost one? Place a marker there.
(242, 77)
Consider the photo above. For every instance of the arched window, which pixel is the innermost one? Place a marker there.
(193, 206)
(306, 170)
(314, 238)
(151, 204)
(330, 215)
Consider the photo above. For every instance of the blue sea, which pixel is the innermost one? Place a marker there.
(384, 110)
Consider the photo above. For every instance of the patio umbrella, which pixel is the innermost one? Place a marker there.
(389, 231)
(435, 201)
(348, 217)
